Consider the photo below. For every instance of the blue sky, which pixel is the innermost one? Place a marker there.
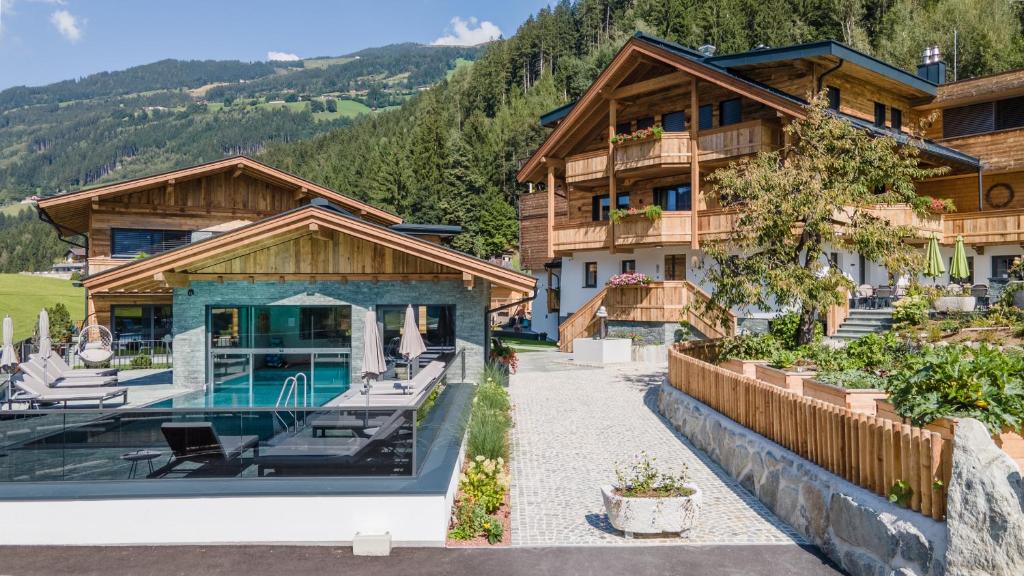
(42, 41)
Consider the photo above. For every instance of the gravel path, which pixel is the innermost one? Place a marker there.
(573, 424)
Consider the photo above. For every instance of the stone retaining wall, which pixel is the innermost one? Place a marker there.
(861, 532)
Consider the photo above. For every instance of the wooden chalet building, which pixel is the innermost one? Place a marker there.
(240, 265)
(715, 109)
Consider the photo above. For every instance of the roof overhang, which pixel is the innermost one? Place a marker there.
(156, 273)
(236, 164)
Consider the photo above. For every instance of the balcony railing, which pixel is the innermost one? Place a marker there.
(740, 139)
(904, 215)
(671, 228)
(580, 236)
(990, 227)
(672, 149)
(587, 166)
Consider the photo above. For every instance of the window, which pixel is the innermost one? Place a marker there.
(896, 119)
(628, 266)
(672, 198)
(1010, 113)
(970, 119)
(879, 114)
(674, 121)
(645, 123)
(140, 323)
(599, 206)
(130, 242)
(623, 128)
(436, 324)
(730, 112)
(590, 275)
(970, 268)
(325, 325)
(834, 97)
(1001, 266)
(675, 267)
(706, 120)
(281, 327)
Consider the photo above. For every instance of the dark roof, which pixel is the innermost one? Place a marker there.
(926, 146)
(824, 48)
(548, 119)
(434, 229)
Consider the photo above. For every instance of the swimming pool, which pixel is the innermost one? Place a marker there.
(327, 382)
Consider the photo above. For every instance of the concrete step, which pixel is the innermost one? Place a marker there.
(855, 313)
(868, 323)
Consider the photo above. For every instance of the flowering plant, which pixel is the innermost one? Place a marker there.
(937, 205)
(642, 134)
(629, 279)
(506, 355)
(1017, 268)
(652, 213)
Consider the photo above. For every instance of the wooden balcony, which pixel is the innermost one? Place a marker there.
(671, 228)
(671, 150)
(728, 142)
(985, 228)
(568, 238)
(904, 215)
(586, 167)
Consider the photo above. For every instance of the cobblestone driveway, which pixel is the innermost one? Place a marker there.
(573, 424)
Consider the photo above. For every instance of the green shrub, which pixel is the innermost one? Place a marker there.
(749, 347)
(784, 329)
(984, 383)
(852, 379)
(142, 360)
(911, 311)
(484, 481)
(826, 358)
(877, 352)
(489, 422)
(471, 520)
(783, 359)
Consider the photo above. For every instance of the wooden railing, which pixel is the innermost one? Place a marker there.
(717, 224)
(989, 227)
(587, 166)
(873, 453)
(668, 302)
(580, 236)
(671, 228)
(672, 149)
(904, 215)
(837, 314)
(579, 324)
(740, 139)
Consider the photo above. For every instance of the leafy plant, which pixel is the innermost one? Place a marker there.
(642, 479)
(911, 311)
(786, 328)
(629, 279)
(851, 379)
(878, 353)
(484, 480)
(142, 360)
(900, 493)
(783, 359)
(652, 212)
(984, 383)
(642, 134)
(749, 347)
(489, 422)
(504, 354)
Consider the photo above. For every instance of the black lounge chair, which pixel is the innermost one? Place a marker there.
(198, 442)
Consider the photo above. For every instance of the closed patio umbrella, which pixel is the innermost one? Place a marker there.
(412, 343)
(934, 266)
(8, 357)
(44, 334)
(959, 268)
(374, 365)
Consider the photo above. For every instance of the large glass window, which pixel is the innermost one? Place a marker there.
(706, 117)
(730, 112)
(675, 267)
(1001, 266)
(131, 242)
(436, 324)
(590, 275)
(599, 206)
(302, 326)
(133, 323)
(672, 198)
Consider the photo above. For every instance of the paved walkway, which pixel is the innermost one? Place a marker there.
(573, 424)
(277, 560)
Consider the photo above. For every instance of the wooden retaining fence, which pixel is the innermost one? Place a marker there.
(873, 453)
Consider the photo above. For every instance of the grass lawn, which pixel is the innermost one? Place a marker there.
(325, 62)
(349, 108)
(524, 345)
(14, 209)
(459, 63)
(23, 296)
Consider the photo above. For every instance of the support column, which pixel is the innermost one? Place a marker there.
(613, 193)
(694, 166)
(551, 211)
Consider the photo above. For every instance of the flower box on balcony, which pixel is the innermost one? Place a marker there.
(746, 368)
(791, 379)
(857, 399)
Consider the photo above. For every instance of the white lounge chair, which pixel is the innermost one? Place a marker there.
(32, 390)
(50, 378)
(422, 378)
(64, 371)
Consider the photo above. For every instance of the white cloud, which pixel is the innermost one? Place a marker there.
(67, 24)
(462, 32)
(282, 56)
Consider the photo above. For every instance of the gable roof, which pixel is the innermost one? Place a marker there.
(58, 206)
(141, 275)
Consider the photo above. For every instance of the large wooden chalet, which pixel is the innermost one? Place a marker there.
(715, 109)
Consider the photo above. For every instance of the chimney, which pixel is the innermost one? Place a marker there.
(932, 68)
(708, 50)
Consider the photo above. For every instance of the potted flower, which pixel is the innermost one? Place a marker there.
(629, 279)
(654, 132)
(646, 501)
(504, 356)
(651, 212)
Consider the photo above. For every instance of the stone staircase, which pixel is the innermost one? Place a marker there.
(862, 322)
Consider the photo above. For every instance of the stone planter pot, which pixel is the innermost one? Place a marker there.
(792, 380)
(857, 399)
(955, 303)
(746, 368)
(653, 515)
(1018, 296)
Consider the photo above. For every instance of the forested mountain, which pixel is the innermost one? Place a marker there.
(450, 155)
(169, 114)
(27, 243)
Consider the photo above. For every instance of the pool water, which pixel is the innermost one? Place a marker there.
(329, 381)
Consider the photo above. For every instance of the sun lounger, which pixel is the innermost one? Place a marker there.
(52, 380)
(33, 390)
(331, 454)
(64, 371)
(422, 378)
(199, 442)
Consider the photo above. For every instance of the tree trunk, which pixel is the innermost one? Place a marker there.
(808, 323)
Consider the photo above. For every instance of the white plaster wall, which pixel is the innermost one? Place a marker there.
(542, 320)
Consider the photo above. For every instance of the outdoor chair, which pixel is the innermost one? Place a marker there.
(980, 292)
(49, 376)
(57, 366)
(883, 297)
(863, 295)
(32, 390)
(199, 442)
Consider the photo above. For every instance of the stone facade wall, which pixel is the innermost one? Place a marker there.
(190, 354)
(650, 333)
(863, 533)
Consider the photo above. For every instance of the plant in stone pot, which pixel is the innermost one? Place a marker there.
(645, 500)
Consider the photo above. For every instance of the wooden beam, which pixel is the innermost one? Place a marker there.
(314, 227)
(551, 212)
(467, 280)
(172, 279)
(694, 166)
(238, 170)
(313, 278)
(300, 194)
(613, 194)
(653, 85)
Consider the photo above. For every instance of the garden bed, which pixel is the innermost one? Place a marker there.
(791, 380)
(746, 368)
(503, 514)
(857, 399)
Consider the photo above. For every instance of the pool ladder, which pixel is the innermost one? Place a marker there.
(289, 396)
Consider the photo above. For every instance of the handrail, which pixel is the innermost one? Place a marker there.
(579, 323)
